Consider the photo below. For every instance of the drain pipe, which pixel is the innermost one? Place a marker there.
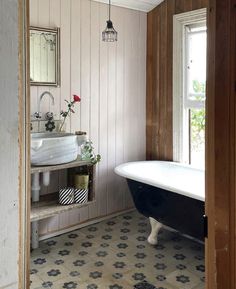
(35, 187)
(46, 179)
(35, 192)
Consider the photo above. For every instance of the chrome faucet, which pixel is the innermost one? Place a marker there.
(42, 95)
(38, 114)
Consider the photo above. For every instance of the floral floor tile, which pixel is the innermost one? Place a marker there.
(147, 285)
(114, 254)
(198, 268)
(183, 279)
(200, 286)
(35, 280)
(53, 273)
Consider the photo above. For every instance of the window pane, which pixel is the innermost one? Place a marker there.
(197, 137)
(196, 65)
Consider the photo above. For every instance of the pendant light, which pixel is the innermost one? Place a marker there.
(109, 34)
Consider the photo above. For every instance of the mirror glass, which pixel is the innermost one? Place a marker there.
(44, 56)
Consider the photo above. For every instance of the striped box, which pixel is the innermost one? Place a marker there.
(81, 196)
(66, 196)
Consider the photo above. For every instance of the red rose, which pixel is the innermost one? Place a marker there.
(76, 98)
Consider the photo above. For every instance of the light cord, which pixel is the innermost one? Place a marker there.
(109, 10)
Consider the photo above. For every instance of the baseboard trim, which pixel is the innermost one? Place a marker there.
(84, 224)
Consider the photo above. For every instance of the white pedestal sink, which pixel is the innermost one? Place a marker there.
(54, 148)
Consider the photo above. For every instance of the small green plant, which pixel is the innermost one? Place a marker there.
(88, 154)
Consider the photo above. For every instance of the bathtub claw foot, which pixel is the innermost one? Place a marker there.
(155, 226)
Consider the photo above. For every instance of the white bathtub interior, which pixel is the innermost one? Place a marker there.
(171, 176)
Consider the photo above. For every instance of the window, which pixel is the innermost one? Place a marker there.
(189, 84)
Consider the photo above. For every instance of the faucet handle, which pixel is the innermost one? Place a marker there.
(49, 115)
(37, 115)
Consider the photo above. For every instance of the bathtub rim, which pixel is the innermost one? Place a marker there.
(200, 197)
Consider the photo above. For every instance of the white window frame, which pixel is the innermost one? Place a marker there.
(188, 102)
(180, 123)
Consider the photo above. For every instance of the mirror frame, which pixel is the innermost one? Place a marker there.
(58, 58)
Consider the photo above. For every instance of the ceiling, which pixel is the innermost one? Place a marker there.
(142, 5)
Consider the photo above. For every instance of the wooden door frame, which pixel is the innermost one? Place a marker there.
(220, 146)
(24, 145)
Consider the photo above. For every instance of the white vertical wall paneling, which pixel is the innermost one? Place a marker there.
(65, 56)
(75, 46)
(63, 220)
(43, 226)
(134, 134)
(111, 81)
(118, 19)
(136, 86)
(85, 31)
(65, 77)
(62, 178)
(34, 13)
(52, 224)
(54, 181)
(111, 130)
(44, 10)
(74, 217)
(85, 64)
(34, 22)
(103, 121)
(52, 188)
(131, 91)
(142, 85)
(95, 88)
(127, 95)
(55, 21)
(75, 60)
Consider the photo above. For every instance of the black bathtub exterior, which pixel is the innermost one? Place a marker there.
(182, 213)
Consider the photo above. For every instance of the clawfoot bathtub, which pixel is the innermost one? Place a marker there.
(169, 193)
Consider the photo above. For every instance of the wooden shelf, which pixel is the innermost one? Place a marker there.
(49, 206)
(42, 210)
(76, 163)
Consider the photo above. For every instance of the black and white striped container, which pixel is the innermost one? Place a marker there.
(66, 196)
(81, 196)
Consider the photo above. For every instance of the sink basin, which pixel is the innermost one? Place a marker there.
(53, 148)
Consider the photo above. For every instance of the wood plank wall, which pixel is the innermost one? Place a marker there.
(221, 147)
(111, 80)
(159, 75)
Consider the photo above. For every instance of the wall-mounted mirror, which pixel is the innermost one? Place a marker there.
(44, 56)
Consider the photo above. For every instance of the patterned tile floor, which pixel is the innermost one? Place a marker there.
(114, 254)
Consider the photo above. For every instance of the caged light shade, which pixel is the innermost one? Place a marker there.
(109, 34)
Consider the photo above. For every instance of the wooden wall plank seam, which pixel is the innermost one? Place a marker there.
(149, 86)
(107, 76)
(159, 76)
